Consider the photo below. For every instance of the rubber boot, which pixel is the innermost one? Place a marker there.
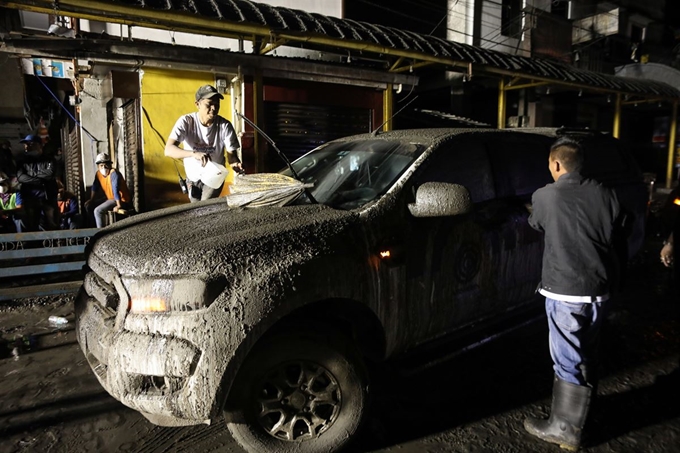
(567, 416)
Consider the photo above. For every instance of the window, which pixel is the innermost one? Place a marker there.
(608, 161)
(511, 18)
(520, 164)
(561, 8)
(637, 33)
(463, 162)
(347, 175)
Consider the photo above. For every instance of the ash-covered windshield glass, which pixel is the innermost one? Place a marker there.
(350, 174)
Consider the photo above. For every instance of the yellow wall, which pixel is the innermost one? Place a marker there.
(166, 95)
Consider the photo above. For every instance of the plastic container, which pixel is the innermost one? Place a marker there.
(213, 175)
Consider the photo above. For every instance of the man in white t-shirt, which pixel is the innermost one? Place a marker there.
(204, 136)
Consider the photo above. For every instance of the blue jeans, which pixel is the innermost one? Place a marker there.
(100, 212)
(574, 330)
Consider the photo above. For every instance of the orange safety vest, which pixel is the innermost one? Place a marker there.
(105, 183)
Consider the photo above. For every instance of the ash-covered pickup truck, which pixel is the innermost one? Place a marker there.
(264, 315)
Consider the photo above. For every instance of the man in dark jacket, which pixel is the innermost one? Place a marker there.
(670, 255)
(578, 217)
(35, 172)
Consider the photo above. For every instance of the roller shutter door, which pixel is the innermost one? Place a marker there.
(299, 128)
(133, 153)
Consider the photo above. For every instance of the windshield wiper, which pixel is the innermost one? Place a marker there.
(281, 155)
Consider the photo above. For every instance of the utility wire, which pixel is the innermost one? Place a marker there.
(399, 13)
(92, 138)
(492, 36)
(448, 11)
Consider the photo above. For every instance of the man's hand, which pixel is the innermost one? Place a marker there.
(238, 168)
(667, 254)
(203, 157)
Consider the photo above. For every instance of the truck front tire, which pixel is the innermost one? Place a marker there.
(299, 393)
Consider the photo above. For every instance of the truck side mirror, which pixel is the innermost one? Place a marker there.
(440, 199)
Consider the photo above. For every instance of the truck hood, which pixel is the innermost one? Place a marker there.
(213, 238)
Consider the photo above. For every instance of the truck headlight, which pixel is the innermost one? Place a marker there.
(168, 294)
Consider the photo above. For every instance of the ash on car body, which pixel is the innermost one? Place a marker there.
(266, 315)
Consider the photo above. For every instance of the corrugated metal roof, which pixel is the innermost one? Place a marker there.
(291, 20)
(301, 25)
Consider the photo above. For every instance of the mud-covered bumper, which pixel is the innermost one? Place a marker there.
(152, 370)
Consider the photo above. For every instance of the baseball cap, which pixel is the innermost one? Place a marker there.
(31, 138)
(102, 158)
(207, 91)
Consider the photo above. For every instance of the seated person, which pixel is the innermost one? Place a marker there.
(35, 172)
(70, 218)
(10, 207)
(111, 183)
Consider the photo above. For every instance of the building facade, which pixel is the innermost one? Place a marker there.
(125, 98)
(333, 68)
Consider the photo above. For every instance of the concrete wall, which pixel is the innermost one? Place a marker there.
(461, 20)
(491, 37)
(93, 120)
(12, 99)
(325, 7)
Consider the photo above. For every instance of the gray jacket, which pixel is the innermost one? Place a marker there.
(579, 218)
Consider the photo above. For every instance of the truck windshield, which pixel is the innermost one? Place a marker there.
(348, 175)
